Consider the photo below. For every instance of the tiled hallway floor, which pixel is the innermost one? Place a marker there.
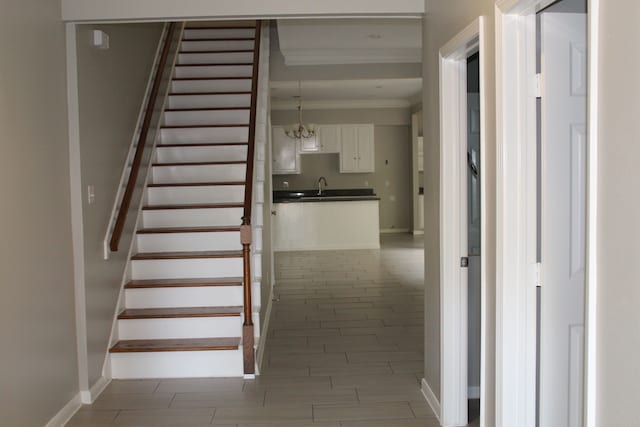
(345, 349)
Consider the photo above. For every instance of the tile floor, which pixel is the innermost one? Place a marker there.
(345, 349)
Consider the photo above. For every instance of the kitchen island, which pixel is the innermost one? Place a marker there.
(335, 219)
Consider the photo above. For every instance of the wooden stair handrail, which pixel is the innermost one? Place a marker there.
(142, 141)
(245, 229)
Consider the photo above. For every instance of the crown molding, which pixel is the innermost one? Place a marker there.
(347, 104)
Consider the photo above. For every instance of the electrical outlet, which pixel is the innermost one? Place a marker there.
(285, 184)
(91, 194)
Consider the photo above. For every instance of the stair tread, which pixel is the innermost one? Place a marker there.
(207, 109)
(142, 256)
(194, 184)
(184, 344)
(167, 313)
(228, 162)
(175, 230)
(239, 27)
(184, 283)
(202, 144)
(194, 206)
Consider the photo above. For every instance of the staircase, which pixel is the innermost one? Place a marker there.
(184, 305)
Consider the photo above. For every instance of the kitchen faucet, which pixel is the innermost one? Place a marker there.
(322, 178)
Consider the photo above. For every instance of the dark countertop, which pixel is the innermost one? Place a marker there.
(343, 195)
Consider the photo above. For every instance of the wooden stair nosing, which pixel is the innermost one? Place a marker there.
(222, 163)
(222, 39)
(192, 206)
(178, 230)
(174, 110)
(184, 283)
(228, 64)
(202, 144)
(214, 52)
(183, 79)
(195, 184)
(240, 27)
(208, 93)
(184, 344)
(204, 126)
(178, 312)
(151, 256)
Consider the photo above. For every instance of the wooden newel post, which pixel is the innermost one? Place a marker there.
(247, 327)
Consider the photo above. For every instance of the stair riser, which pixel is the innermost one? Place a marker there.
(195, 46)
(184, 297)
(209, 101)
(215, 58)
(195, 195)
(187, 268)
(208, 173)
(202, 154)
(215, 71)
(177, 364)
(218, 33)
(204, 135)
(187, 118)
(192, 327)
(192, 217)
(196, 86)
(177, 242)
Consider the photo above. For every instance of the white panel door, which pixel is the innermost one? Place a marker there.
(563, 204)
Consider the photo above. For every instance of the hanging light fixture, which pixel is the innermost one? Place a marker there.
(300, 130)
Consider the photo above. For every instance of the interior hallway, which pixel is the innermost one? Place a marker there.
(345, 349)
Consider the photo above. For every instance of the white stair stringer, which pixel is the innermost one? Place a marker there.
(187, 267)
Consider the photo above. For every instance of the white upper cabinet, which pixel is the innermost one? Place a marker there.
(329, 138)
(357, 149)
(309, 145)
(286, 159)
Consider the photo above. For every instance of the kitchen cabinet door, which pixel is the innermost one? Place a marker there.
(357, 149)
(286, 159)
(349, 148)
(329, 138)
(366, 149)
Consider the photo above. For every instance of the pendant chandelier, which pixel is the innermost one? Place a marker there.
(300, 130)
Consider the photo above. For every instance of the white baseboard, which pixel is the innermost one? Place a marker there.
(265, 331)
(393, 230)
(418, 232)
(473, 392)
(64, 415)
(431, 398)
(89, 396)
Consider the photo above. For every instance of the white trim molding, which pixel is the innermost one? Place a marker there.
(453, 222)
(431, 399)
(66, 413)
(90, 396)
(516, 216)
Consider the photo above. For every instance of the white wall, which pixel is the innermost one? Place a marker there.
(83, 10)
(111, 85)
(38, 373)
(618, 381)
(443, 21)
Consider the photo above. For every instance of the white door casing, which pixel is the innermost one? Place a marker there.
(563, 210)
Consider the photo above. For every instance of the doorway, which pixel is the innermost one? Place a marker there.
(461, 203)
(544, 343)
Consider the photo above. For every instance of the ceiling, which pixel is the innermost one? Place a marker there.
(350, 41)
(354, 93)
(327, 44)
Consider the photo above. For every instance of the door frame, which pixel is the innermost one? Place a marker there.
(453, 221)
(517, 271)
